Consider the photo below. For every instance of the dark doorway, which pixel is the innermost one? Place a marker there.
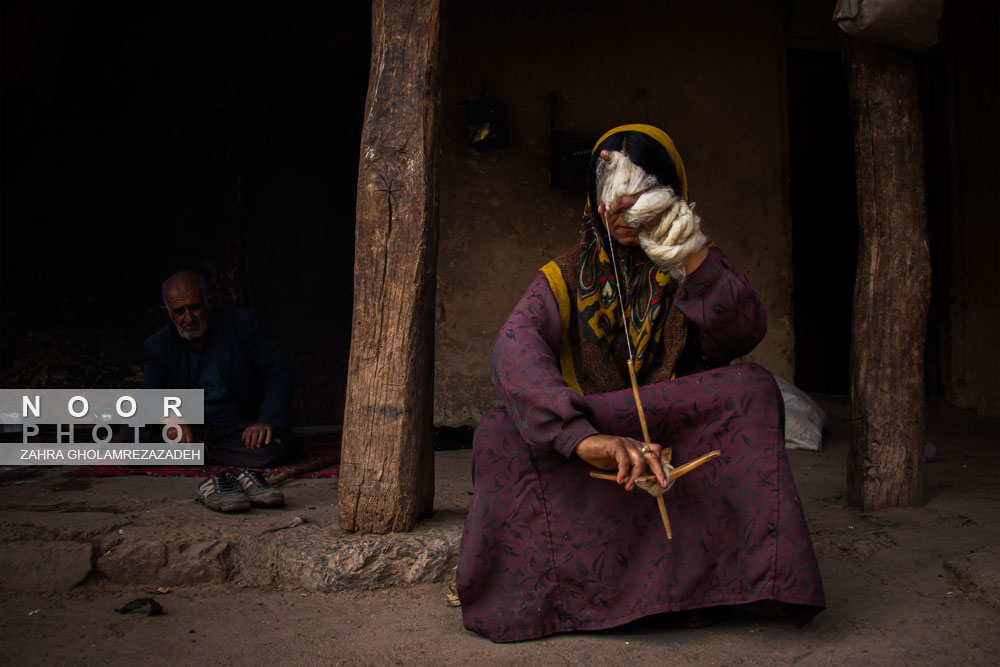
(141, 138)
(824, 219)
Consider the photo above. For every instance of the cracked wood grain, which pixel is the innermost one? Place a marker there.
(387, 474)
(892, 287)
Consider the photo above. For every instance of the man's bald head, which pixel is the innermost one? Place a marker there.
(185, 296)
(185, 281)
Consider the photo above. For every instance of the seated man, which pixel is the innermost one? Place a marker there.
(546, 548)
(248, 390)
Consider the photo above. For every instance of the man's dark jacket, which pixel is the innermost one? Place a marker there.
(259, 378)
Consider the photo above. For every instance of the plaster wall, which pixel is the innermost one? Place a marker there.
(712, 77)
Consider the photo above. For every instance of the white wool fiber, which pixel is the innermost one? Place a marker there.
(677, 236)
(651, 204)
(621, 177)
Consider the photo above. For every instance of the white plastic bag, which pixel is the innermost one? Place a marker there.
(907, 24)
(804, 418)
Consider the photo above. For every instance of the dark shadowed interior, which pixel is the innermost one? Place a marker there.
(139, 139)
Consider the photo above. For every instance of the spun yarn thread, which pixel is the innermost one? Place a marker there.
(652, 487)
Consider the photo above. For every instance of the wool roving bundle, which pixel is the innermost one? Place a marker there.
(620, 177)
(675, 236)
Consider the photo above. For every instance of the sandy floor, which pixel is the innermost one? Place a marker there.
(902, 589)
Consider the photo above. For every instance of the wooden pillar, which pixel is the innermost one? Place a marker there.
(387, 461)
(892, 290)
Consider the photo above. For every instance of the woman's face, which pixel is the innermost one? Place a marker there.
(624, 234)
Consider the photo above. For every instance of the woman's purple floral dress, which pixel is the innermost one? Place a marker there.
(547, 549)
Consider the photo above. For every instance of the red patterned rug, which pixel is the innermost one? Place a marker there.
(320, 449)
(320, 458)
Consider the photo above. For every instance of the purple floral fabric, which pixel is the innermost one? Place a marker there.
(546, 548)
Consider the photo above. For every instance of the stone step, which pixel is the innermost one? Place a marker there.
(150, 533)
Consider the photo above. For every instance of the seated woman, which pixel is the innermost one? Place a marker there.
(546, 548)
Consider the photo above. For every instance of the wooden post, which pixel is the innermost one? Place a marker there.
(387, 461)
(892, 290)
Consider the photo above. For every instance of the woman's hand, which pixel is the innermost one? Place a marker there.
(618, 208)
(631, 457)
(614, 218)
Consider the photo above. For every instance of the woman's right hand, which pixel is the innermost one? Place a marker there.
(610, 452)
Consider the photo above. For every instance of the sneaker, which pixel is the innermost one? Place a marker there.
(222, 493)
(260, 493)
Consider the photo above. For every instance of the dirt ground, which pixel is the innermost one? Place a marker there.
(917, 586)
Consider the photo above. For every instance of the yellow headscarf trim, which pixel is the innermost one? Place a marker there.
(663, 139)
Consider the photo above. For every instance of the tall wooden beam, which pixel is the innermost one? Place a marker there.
(892, 290)
(387, 461)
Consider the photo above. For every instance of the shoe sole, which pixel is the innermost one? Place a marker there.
(277, 502)
(228, 508)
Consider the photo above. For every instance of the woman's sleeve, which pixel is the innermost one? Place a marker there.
(526, 374)
(718, 299)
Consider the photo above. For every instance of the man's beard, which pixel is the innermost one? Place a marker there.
(191, 335)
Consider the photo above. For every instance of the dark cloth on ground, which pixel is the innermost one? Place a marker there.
(316, 448)
(224, 446)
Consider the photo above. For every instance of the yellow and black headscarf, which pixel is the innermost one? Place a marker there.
(592, 320)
